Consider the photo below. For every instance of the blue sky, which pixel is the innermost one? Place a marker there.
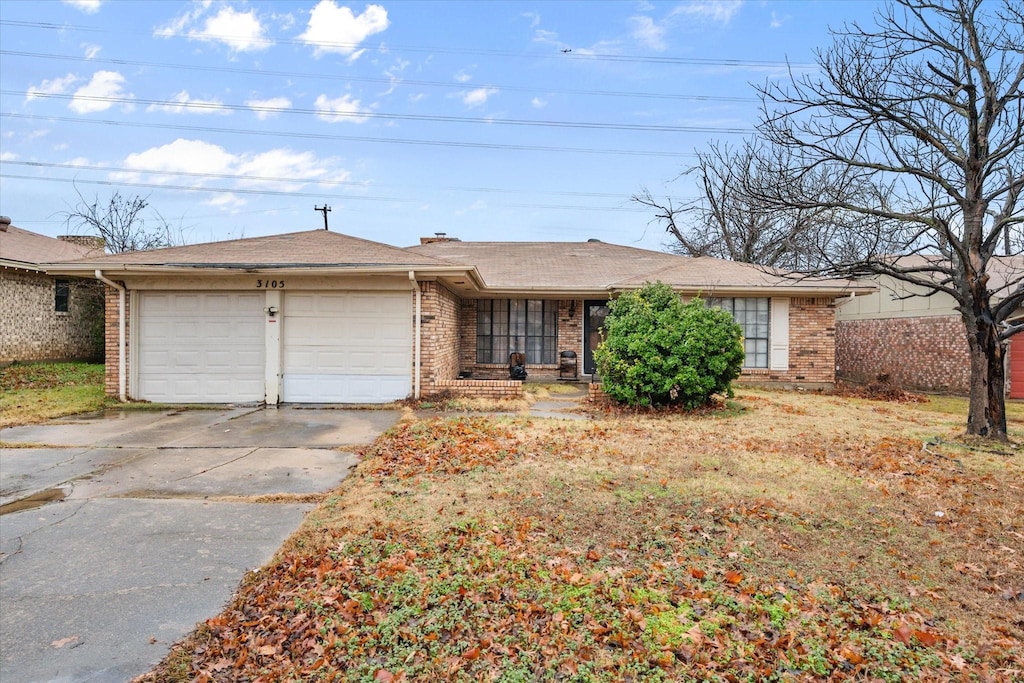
(483, 120)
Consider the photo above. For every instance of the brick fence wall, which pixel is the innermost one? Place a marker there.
(925, 353)
(481, 388)
(31, 328)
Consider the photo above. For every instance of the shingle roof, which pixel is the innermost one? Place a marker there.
(30, 248)
(549, 265)
(602, 266)
(310, 248)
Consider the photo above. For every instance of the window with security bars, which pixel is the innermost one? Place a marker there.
(506, 326)
(752, 314)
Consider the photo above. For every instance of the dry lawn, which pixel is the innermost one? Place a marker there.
(783, 537)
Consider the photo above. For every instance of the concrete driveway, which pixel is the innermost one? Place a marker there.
(152, 519)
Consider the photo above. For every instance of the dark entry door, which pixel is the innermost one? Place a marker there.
(596, 311)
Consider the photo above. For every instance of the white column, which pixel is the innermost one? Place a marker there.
(273, 315)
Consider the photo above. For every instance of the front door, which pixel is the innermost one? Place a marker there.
(593, 323)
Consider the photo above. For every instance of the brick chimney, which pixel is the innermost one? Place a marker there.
(89, 241)
(438, 237)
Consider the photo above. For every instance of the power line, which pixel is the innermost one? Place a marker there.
(348, 138)
(283, 193)
(316, 181)
(383, 81)
(436, 118)
(579, 55)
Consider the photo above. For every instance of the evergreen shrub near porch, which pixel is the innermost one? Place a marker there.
(658, 351)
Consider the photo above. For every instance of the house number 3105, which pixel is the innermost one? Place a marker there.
(270, 284)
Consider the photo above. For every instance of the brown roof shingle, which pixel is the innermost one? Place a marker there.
(309, 248)
(30, 248)
(600, 266)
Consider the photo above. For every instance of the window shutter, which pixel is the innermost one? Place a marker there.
(779, 334)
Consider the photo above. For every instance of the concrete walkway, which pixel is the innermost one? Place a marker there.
(151, 527)
(562, 406)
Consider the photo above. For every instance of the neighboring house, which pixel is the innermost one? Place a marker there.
(46, 317)
(915, 338)
(320, 317)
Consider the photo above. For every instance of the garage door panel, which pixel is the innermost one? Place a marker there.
(202, 347)
(347, 347)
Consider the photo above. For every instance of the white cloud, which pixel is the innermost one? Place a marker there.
(721, 11)
(777, 21)
(54, 86)
(416, 97)
(478, 97)
(240, 31)
(538, 103)
(183, 103)
(462, 77)
(90, 50)
(336, 29)
(648, 32)
(260, 169)
(534, 18)
(281, 163)
(226, 200)
(265, 109)
(344, 108)
(191, 156)
(8, 156)
(87, 6)
(105, 85)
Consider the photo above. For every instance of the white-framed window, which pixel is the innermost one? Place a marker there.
(753, 315)
(506, 326)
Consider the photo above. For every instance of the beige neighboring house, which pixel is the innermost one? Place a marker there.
(917, 340)
(321, 317)
(42, 316)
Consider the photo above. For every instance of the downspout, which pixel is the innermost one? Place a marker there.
(416, 344)
(122, 362)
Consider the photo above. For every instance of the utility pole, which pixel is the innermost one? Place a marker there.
(322, 209)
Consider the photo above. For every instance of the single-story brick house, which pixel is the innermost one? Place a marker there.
(46, 317)
(321, 317)
(915, 338)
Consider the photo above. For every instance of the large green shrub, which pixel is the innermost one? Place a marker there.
(658, 351)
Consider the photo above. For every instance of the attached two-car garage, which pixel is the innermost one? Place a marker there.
(324, 346)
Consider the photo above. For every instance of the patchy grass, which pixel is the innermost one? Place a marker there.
(33, 392)
(783, 537)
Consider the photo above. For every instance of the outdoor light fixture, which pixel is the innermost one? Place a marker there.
(271, 310)
(572, 308)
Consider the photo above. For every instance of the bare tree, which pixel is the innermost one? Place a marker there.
(925, 109)
(121, 222)
(731, 219)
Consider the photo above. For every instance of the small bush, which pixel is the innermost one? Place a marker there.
(658, 351)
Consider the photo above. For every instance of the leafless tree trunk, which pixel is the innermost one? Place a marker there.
(926, 109)
(121, 222)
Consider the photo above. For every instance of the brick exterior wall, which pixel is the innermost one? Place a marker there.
(481, 388)
(439, 335)
(30, 328)
(570, 338)
(923, 353)
(110, 381)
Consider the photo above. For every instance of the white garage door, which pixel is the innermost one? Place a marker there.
(201, 347)
(347, 347)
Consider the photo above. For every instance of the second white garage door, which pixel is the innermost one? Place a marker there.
(346, 347)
